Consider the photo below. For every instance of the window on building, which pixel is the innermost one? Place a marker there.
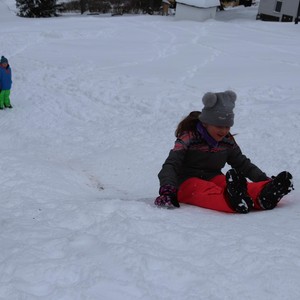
(278, 6)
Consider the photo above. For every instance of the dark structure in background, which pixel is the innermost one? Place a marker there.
(298, 14)
(37, 8)
(118, 7)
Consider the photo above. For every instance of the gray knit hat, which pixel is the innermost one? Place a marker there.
(218, 108)
(3, 60)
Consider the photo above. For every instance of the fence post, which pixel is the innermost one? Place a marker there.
(298, 13)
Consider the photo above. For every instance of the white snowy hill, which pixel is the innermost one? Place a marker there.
(96, 102)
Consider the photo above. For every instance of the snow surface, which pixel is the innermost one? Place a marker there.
(96, 102)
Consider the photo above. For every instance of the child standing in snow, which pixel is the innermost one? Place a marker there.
(5, 83)
(192, 172)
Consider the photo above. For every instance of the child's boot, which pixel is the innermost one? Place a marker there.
(238, 197)
(273, 191)
(6, 100)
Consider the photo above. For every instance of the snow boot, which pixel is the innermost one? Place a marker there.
(238, 197)
(273, 191)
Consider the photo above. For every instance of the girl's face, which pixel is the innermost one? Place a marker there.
(217, 132)
(4, 65)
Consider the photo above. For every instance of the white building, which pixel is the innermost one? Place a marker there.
(278, 10)
(196, 10)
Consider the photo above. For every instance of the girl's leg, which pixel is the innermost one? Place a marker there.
(254, 190)
(207, 194)
(6, 98)
(271, 192)
(1, 99)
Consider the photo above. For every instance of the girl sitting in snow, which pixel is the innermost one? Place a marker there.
(192, 172)
(5, 83)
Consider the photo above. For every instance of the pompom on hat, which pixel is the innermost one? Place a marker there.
(3, 60)
(218, 108)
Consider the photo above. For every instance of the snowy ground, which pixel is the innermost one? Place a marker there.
(96, 102)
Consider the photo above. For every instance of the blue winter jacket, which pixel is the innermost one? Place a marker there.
(5, 78)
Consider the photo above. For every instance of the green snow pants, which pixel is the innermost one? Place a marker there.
(4, 98)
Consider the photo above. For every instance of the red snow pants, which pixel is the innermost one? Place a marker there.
(211, 194)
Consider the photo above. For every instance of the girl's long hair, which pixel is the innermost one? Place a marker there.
(189, 123)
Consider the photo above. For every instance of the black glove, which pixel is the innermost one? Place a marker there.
(168, 197)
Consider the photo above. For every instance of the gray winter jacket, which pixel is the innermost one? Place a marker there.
(192, 156)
